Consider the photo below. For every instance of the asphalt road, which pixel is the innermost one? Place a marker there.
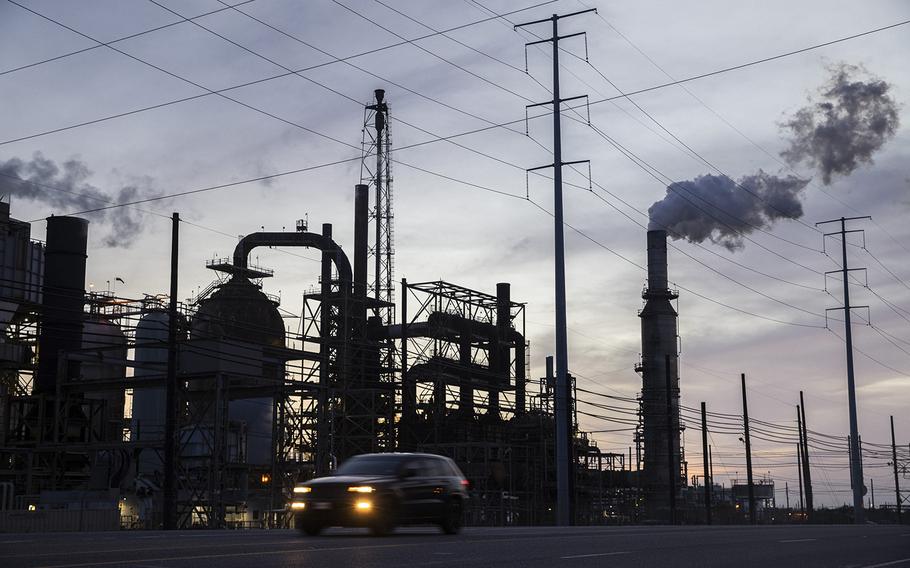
(802, 547)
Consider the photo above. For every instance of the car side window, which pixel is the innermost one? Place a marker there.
(419, 466)
(440, 468)
(453, 469)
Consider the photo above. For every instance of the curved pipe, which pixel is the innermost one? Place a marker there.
(296, 239)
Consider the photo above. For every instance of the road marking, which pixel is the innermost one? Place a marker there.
(799, 540)
(593, 555)
(892, 563)
(14, 541)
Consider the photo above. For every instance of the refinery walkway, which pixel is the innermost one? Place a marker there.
(803, 547)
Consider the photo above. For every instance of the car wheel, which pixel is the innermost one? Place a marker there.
(309, 528)
(453, 519)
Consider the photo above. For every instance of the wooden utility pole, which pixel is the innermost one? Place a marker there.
(897, 483)
(171, 394)
(748, 441)
(807, 474)
(704, 449)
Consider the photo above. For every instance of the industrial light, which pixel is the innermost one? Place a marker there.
(302, 489)
(32, 508)
(363, 505)
(361, 489)
(298, 505)
(265, 478)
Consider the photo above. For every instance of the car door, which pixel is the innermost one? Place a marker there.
(439, 481)
(414, 489)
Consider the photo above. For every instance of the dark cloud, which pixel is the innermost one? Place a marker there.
(64, 186)
(851, 120)
(717, 209)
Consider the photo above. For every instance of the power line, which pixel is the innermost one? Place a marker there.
(121, 38)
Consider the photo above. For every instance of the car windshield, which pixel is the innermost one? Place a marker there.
(370, 465)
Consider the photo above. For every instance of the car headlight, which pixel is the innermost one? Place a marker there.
(302, 489)
(361, 489)
(298, 505)
(363, 505)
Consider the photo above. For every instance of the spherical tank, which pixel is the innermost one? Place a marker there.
(240, 311)
(99, 332)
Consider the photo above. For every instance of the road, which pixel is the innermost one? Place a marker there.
(773, 546)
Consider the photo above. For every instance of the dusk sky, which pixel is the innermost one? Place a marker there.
(758, 309)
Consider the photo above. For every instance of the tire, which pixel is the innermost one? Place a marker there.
(453, 518)
(312, 530)
(308, 528)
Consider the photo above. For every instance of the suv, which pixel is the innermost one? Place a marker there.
(382, 491)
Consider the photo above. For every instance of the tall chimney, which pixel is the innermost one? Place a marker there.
(361, 221)
(63, 298)
(658, 345)
(657, 260)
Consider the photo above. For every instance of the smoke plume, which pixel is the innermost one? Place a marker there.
(64, 187)
(850, 121)
(717, 209)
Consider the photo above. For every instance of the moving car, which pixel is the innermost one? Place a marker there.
(382, 491)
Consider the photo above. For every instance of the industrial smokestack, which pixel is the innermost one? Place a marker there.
(658, 348)
(63, 298)
(657, 260)
(361, 220)
(500, 352)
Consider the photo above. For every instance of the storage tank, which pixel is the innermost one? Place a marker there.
(149, 403)
(240, 311)
(108, 363)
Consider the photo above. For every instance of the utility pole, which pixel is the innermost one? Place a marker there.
(748, 441)
(856, 460)
(897, 484)
(711, 468)
(872, 490)
(807, 475)
(563, 465)
(171, 395)
(799, 470)
(704, 449)
(787, 494)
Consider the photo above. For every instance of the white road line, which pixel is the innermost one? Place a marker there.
(892, 563)
(593, 555)
(799, 540)
(14, 541)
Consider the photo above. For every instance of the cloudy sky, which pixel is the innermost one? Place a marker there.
(137, 119)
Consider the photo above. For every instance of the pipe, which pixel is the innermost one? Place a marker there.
(296, 239)
(323, 436)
